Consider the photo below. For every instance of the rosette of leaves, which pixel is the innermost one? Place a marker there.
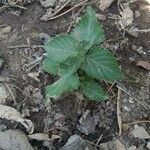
(79, 60)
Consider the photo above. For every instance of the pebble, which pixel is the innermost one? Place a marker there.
(2, 127)
(14, 140)
(140, 132)
(126, 108)
(1, 62)
(4, 30)
(44, 37)
(148, 146)
(131, 100)
(47, 3)
(112, 145)
(101, 17)
(75, 142)
(132, 31)
(132, 148)
(137, 14)
(87, 123)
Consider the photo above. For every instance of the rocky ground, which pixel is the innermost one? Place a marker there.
(28, 121)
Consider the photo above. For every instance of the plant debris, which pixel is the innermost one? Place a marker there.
(144, 65)
(126, 17)
(10, 113)
(104, 4)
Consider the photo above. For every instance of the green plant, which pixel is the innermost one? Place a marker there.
(79, 60)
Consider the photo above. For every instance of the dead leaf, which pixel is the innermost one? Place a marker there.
(39, 137)
(126, 17)
(10, 113)
(144, 64)
(144, 7)
(144, 2)
(43, 137)
(105, 4)
(55, 137)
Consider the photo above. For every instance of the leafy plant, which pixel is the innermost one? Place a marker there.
(79, 60)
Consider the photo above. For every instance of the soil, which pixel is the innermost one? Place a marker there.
(30, 93)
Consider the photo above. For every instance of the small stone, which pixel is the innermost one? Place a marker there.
(112, 145)
(132, 148)
(44, 37)
(87, 123)
(35, 110)
(137, 14)
(1, 62)
(145, 115)
(132, 31)
(131, 100)
(75, 142)
(4, 31)
(26, 112)
(132, 58)
(101, 17)
(140, 50)
(48, 3)
(2, 127)
(59, 117)
(134, 47)
(14, 140)
(119, 145)
(104, 4)
(127, 108)
(148, 145)
(140, 132)
(46, 143)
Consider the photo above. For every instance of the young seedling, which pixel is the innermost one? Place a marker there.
(79, 60)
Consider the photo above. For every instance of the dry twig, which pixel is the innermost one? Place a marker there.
(126, 125)
(3, 8)
(119, 112)
(15, 5)
(110, 88)
(141, 30)
(76, 15)
(136, 122)
(56, 12)
(35, 63)
(55, 17)
(97, 143)
(25, 46)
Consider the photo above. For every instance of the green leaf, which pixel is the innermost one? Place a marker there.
(61, 47)
(88, 29)
(101, 64)
(93, 91)
(50, 66)
(67, 82)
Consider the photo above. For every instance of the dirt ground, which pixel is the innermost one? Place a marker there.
(23, 32)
